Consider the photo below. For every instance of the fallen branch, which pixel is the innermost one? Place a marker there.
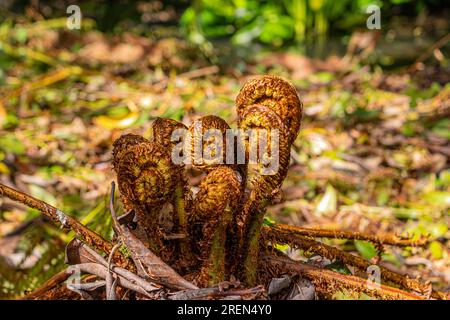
(89, 286)
(111, 282)
(88, 236)
(333, 253)
(389, 239)
(188, 75)
(328, 282)
(51, 283)
(437, 45)
(47, 79)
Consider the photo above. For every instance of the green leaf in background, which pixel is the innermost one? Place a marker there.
(407, 213)
(426, 228)
(338, 266)
(364, 115)
(366, 249)
(416, 93)
(442, 128)
(383, 197)
(349, 295)
(9, 143)
(316, 5)
(437, 198)
(268, 222)
(437, 230)
(282, 247)
(42, 194)
(443, 179)
(392, 258)
(21, 35)
(247, 34)
(436, 249)
(328, 202)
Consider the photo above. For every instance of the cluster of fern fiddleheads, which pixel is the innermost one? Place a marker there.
(218, 232)
(222, 223)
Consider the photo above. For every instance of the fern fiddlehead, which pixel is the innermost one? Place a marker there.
(270, 103)
(214, 207)
(208, 142)
(162, 134)
(146, 180)
(212, 213)
(276, 93)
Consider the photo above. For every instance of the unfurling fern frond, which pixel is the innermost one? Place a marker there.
(276, 93)
(147, 179)
(270, 103)
(212, 214)
(208, 142)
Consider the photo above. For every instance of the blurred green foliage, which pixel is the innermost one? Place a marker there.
(279, 22)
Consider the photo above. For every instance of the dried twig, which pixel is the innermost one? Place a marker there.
(188, 75)
(214, 292)
(89, 286)
(110, 281)
(437, 45)
(102, 272)
(42, 81)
